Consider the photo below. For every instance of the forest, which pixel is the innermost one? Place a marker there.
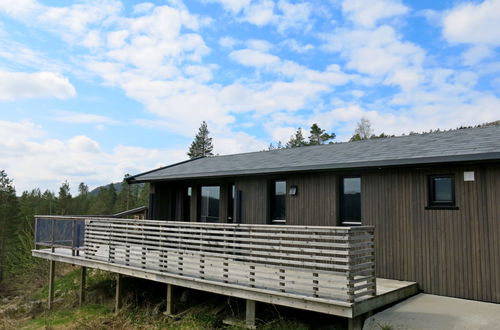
(17, 214)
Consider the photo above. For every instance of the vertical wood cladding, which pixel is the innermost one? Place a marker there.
(448, 252)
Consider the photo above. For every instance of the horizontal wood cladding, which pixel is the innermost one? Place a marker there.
(448, 252)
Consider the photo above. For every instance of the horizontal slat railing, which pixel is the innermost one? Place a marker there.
(335, 263)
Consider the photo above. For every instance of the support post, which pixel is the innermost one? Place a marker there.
(83, 275)
(169, 300)
(118, 293)
(355, 323)
(250, 314)
(52, 270)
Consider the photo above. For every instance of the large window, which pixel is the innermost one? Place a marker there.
(278, 202)
(350, 200)
(209, 203)
(442, 191)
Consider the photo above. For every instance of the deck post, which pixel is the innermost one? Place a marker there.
(83, 276)
(250, 314)
(118, 293)
(169, 300)
(355, 323)
(52, 270)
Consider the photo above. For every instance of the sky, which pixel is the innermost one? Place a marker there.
(91, 90)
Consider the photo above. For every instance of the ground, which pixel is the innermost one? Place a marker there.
(23, 306)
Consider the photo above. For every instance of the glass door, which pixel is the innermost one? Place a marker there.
(350, 201)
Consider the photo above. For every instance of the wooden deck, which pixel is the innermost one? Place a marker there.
(322, 269)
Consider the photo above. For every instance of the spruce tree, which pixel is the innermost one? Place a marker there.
(319, 136)
(9, 218)
(297, 140)
(202, 144)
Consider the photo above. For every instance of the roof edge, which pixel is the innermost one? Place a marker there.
(132, 179)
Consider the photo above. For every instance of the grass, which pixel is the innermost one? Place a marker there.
(143, 308)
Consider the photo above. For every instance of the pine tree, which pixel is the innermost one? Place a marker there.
(64, 199)
(297, 140)
(319, 136)
(9, 218)
(81, 202)
(202, 144)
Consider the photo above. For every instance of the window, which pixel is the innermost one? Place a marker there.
(230, 203)
(209, 203)
(350, 200)
(278, 202)
(186, 216)
(442, 191)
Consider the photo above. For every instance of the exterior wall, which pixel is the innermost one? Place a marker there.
(448, 252)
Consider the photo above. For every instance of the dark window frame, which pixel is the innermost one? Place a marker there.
(434, 204)
(272, 202)
(341, 213)
(200, 199)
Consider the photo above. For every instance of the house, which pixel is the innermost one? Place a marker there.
(434, 200)
(341, 229)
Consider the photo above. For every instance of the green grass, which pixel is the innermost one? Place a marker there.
(74, 316)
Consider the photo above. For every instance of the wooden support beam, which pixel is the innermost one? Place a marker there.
(169, 300)
(52, 270)
(250, 314)
(118, 293)
(355, 323)
(83, 276)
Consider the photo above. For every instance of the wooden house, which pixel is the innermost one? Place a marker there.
(341, 229)
(434, 200)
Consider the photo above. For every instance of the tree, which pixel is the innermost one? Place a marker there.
(64, 200)
(363, 131)
(8, 217)
(319, 136)
(297, 140)
(202, 144)
(81, 202)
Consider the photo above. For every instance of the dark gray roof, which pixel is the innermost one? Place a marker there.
(472, 144)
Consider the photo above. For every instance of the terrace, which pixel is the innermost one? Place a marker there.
(324, 269)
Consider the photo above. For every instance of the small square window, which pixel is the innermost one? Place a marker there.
(442, 191)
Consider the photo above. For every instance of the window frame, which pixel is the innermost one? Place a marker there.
(272, 202)
(341, 213)
(200, 201)
(433, 204)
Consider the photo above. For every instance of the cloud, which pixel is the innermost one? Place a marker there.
(21, 85)
(24, 146)
(82, 118)
(367, 15)
(473, 23)
(233, 6)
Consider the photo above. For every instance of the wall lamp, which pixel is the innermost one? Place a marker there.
(293, 190)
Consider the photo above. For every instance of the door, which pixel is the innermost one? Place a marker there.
(350, 201)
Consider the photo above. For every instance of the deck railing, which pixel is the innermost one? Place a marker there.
(60, 232)
(336, 263)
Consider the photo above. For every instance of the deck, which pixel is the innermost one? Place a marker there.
(323, 269)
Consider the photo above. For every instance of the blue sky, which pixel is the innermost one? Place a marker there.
(91, 90)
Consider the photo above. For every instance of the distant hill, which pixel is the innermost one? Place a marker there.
(118, 187)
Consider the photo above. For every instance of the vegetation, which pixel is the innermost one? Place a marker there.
(202, 145)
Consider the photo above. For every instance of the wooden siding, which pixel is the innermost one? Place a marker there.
(448, 252)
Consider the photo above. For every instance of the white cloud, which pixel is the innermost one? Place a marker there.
(255, 58)
(227, 42)
(21, 85)
(473, 23)
(24, 146)
(368, 14)
(260, 45)
(233, 6)
(82, 118)
(260, 13)
(297, 47)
